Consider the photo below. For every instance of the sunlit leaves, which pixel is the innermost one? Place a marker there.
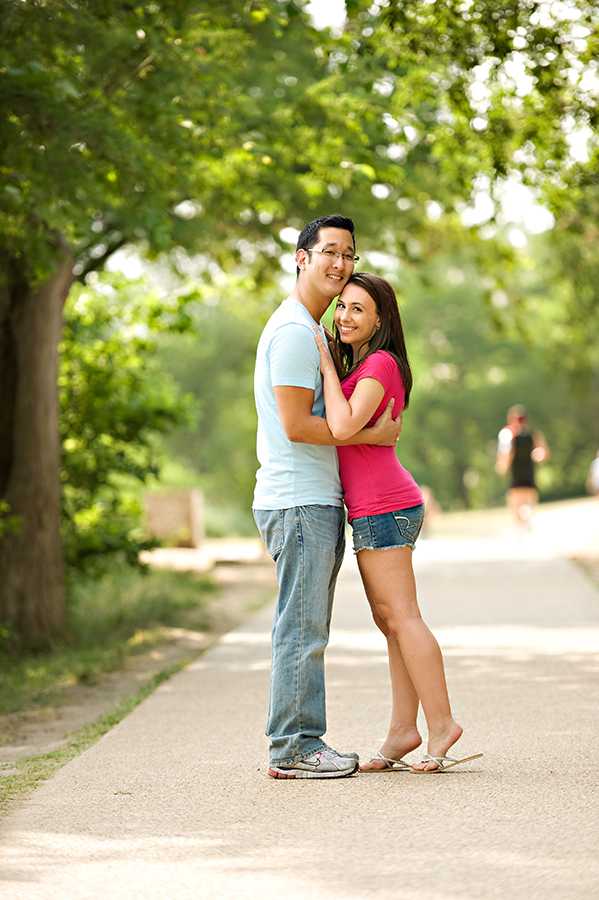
(115, 400)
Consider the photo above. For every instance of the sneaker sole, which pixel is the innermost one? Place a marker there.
(306, 773)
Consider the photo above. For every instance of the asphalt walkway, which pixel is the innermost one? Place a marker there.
(175, 802)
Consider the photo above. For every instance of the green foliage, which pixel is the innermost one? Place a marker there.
(115, 399)
(466, 94)
(216, 366)
(211, 126)
(200, 124)
(158, 123)
(570, 264)
(125, 605)
(8, 523)
(105, 108)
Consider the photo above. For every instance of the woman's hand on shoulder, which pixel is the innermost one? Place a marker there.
(326, 362)
(334, 351)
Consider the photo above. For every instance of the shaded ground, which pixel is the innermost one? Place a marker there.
(247, 581)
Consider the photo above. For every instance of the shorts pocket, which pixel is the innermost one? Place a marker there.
(409, 523)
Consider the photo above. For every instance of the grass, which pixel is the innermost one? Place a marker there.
(108, 621)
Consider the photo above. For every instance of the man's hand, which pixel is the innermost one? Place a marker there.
(386, 430)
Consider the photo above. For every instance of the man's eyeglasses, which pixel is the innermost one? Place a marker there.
(333, 255)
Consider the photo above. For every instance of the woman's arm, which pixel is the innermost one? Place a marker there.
(294, 405)
(346, 417)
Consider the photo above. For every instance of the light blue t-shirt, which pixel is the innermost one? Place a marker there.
(290, 474)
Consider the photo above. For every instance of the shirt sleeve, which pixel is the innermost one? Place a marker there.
(383, 367)
(380, 366)
(294, 357)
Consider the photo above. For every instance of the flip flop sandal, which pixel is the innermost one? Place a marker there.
(391, 765)
(443, 763)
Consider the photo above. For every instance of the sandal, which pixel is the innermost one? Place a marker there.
(443, 763)
(391, 765)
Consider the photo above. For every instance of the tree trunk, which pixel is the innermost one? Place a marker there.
(32, 604)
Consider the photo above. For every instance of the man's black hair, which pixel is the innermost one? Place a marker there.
(309, 235)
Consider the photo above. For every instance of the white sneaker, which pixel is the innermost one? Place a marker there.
(351, 754)
(325, 763)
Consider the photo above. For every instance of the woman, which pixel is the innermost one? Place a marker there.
(386, 512)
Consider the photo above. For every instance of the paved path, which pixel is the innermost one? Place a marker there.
(175, 803)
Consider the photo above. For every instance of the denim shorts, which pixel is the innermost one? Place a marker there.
(388, 530)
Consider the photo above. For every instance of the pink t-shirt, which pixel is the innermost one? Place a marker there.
(372, 478)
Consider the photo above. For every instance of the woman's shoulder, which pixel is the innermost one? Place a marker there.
(379, 361)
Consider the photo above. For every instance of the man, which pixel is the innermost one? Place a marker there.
(298, 503)
(518, 449)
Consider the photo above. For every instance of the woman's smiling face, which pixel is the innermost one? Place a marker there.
(356, 318)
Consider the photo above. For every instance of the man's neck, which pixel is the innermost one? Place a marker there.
(316, 305)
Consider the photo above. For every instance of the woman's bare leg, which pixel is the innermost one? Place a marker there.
(389, 581)
(403, 736)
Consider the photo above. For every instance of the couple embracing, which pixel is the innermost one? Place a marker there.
(326, 436)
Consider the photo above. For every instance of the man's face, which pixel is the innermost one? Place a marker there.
(320, 271)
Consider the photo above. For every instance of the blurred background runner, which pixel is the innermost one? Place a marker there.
(519, 448)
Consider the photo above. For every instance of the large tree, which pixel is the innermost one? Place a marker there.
(211, 126)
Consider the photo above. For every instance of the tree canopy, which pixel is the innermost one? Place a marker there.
(194, 123)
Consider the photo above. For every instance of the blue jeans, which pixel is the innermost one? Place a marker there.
(307, 544)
